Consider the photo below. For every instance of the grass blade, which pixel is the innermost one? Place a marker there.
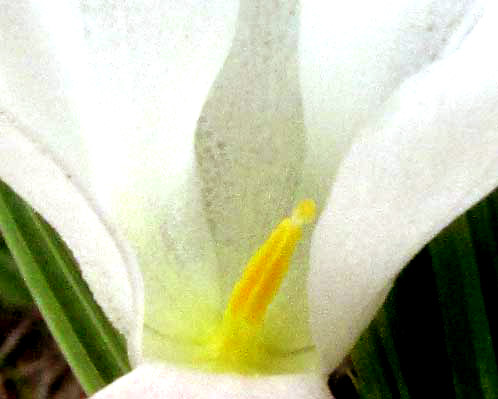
(468, 336)
(439, 327)
(92, 347)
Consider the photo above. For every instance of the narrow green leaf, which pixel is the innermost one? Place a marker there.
(468, 337)
(373, 381)
(416, 326)
(56, 319)
(383, 323)
(439, 326)
(13, 291)
(92, 326)
(483, 224)
(93, 348)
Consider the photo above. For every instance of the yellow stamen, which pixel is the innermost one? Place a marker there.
(259, 284)
(267, 267)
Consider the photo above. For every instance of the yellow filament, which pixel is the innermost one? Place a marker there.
(266, 269)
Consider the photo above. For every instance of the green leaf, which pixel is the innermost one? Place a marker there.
(468, 337)
(13, 291)
(437, 334)
(93, 348)
(369, 363)
(383, 324)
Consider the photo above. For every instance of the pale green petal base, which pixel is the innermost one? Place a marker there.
(186, 333)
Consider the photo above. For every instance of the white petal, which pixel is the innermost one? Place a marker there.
(42, 157)
(250, 138)
(432, 154)
(250, 145)
(112, 91)
(160, 382)
(43, 78)
(155, 63)
(353, 55)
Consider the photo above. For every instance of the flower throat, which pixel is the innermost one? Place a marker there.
(237, 344)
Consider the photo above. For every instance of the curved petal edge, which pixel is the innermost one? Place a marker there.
(103, 258)
(430, 155)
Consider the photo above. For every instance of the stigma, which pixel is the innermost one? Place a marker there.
(238, 342)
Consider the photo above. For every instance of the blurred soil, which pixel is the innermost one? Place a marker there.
(31, 365)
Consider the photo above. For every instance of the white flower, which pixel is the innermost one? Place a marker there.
(164, 140)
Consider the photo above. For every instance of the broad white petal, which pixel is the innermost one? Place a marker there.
(151, 381)
(43, 156)
(155, 63)
(43, 76)
(354, 55)
(112, 91)
(250, 138)
(432, 153)
(250, 145)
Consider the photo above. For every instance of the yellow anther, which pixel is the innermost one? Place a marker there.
(265, 271)
(237, 343)
(304, 213)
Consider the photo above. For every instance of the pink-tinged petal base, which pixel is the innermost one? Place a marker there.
(155, 381)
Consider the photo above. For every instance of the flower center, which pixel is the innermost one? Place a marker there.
(237, 344)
